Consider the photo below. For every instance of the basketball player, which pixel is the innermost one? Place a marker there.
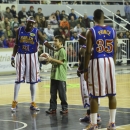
(83, 84)
(100, 68)
(27, 66)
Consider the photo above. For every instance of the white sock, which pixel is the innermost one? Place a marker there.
(93, 118)
(16, 91)
(33, 92)
(112, 113)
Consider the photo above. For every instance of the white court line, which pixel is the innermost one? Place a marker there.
(24, 124)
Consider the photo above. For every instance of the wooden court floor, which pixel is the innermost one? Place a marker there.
(73, 94)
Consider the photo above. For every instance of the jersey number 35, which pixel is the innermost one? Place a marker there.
(106, 46)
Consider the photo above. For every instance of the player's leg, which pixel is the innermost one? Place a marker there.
(62, 96)
(53, 97)
(85, 98)
(111, 91)
(33, 95)
(96, 73)
(20, 70)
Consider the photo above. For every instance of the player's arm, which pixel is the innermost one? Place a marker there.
(44, 41)
(115, 49)
(88, 50)
(15, 50)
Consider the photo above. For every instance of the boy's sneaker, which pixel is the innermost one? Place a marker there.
(51, 111)
(34, 107)
(91, 127)
(111, 126)
(64, 111)
(14, 106)
(85, 119)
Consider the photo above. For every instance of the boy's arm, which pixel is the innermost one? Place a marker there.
(50, 59)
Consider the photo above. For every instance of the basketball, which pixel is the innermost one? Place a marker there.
(43, 57)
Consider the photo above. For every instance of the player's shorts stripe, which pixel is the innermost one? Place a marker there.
(20, 69)
(92, 78)
(111, 76)
(35, 66)
(30, 68)
(105, 75)
(99, 82)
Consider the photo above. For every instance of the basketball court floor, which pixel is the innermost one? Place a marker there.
(25, 119)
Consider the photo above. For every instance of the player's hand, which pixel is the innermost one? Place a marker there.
(13, 63)
(78, 73)
(86, 76)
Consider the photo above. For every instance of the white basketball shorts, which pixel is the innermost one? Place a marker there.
(101, 77)
(27, 68)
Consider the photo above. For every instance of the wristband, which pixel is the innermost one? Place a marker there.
(12, 58)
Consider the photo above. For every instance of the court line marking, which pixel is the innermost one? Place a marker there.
(24, 124)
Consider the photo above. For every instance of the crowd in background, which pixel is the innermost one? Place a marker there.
(103, 2)
(58, 23)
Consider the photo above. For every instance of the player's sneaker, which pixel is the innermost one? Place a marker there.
(99, 121)
(34, 107)
(85, 119)
(14, 106)
(64, 111)
(91, 127)
(51, 111)
(111, 126)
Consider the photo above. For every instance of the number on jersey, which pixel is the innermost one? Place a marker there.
(104, 46)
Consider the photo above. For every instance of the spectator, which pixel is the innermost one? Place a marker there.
(31, 12)
(22, 24)
(0, 16)
(10, 42)
(71, 53)
(1, 43)
(14, 31)
(44, 22)
(13, 11)
(72, 22)
(120, 35)
(117, 19)
(22, 15)
(80, 21)
(4, 23)
(53, 19)
(49, 32)
(78, 29)
(8, 14)
(62, 15)
(86, 21)
(8, 32)
(39, 13)
(1, 31)
(66, 34)
(74, 36)
(127, 11)
(5, 45)
(58, 31)
(64, 23)
(58, 16)
(15, 23)
(72, 14)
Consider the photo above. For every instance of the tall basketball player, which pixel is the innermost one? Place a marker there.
(27, 66)
(100, 68)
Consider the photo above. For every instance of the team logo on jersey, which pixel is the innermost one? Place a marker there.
(32, 34)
